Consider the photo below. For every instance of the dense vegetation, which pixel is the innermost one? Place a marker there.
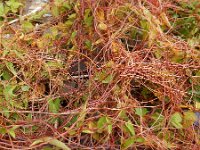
(100, 74)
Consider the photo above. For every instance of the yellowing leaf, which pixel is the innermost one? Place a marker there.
(189, 118)
(197, 104)
(100, 15)
(87, 131)
(165, 19)
(115, 47)
(51, 141)
(102, 26)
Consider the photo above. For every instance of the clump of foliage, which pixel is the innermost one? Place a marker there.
(104, 74)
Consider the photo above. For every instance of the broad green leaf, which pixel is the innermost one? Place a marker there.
(158, 120)
(123, 115)
(104, 122)
(54, 105)
(12, 132)
(27, 26)
(72, 16)
(55, 11)
(140, 140)
(9, 91)
(104, 77)
(14, 5)
(3, 131)
(18, 54)
(7, 75)
(88, 44)
(67, 5)
(108, 79)
(54, 64)
(176, 120)
(101, 122)
(88, 18)
(10, 66)
(2, 13)
(130, 127)
(128, 143)
(73, 34)
(51, 141)
(6, 112)
(141, 111)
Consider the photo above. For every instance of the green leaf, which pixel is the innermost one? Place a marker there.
(109, 129)
(123, 115)
(88, 44)
(104, 77)
(176, 120)
(55, 11)
(73, 34)
(12, 133)
(54, 64)
(130, 127)
(72, 16)
(67, 5)
(14, 5)
(51, 141)
(108, 79)
(10, 66)
(27, 26)
(3, 131)
(140, 140)
(7, 75)
(128, 143)
(6, 112)
(2, 13)
(54, 105)
(104, 123)
(141, 111)
(88, 18)
(9, 91)
(101, 122)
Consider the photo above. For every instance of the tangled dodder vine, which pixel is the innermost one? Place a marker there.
(105, 74)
